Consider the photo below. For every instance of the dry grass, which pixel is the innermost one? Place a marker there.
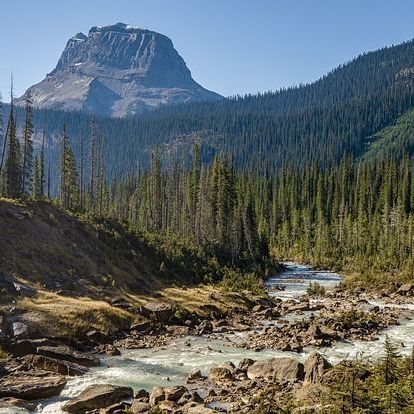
(58, 316)
(195, 299)
(3, 353)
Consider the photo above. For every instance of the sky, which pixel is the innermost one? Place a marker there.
(231, 46)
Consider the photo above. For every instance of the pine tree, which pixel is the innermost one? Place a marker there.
(27, 163)
(68, 175)
(12, 169)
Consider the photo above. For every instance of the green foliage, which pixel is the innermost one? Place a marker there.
(237, 281)
(359, 386)
(315, 288)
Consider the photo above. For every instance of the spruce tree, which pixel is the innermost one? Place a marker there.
(27, 162)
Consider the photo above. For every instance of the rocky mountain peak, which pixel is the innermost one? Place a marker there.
(118, 70)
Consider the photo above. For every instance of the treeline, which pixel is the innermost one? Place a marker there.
(320, 122)
(357, 215)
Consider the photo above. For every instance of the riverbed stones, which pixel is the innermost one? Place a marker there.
(31, 385)
(285, 368)
(96, 397)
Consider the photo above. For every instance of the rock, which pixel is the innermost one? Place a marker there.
(25, 290)
(29, 346)
(96, 337)
(220, 374)
(205, 327)
(31, 385)
(96, 397)
(245, 363)
(120, 303)
(20, 330)
(119, 408)
(157, 395)
(111, 350)
(258, 308)
(139, 407)
(161, 311)
(169, 407)
(9, 403)
(142, 326)
(142, 395)
(195, 408)
(194, 375)
(3, 371)
(53, 365)
(285, 368)
(315, 366)
(174, 393)
(68, 354)
(406, 289)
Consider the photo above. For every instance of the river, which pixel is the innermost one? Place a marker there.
(170, 365)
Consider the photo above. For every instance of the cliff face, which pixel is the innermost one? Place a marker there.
(118, 70)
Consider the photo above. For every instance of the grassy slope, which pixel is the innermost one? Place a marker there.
(395, 139)
(78, 264)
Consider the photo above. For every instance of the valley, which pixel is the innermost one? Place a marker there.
(165, 249)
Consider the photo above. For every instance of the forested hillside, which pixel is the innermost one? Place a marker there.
(341, 113)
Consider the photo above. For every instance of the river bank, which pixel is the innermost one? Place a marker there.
(289, 324)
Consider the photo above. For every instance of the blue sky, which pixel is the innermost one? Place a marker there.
(231, 46)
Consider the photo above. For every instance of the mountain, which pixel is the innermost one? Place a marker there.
(118, 70)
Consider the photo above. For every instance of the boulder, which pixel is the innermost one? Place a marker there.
(25, 290)
(284, 369)
(205, 327)
(119, 408)
(195, 408)
(406, 289)
(68, 354)
(169, 407)
(141, 326)
(20, 330)
(96, 337)
(315, 366)
(157, 395)
(142, 395)
(161, 311)
(54, 365)
(194, 375)
(220, 374)
(245, 363)
(31, 385)
(29, 346)
(174, 393)
(96, 397)
(8, 404)
(258, 308)
(139, 407)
